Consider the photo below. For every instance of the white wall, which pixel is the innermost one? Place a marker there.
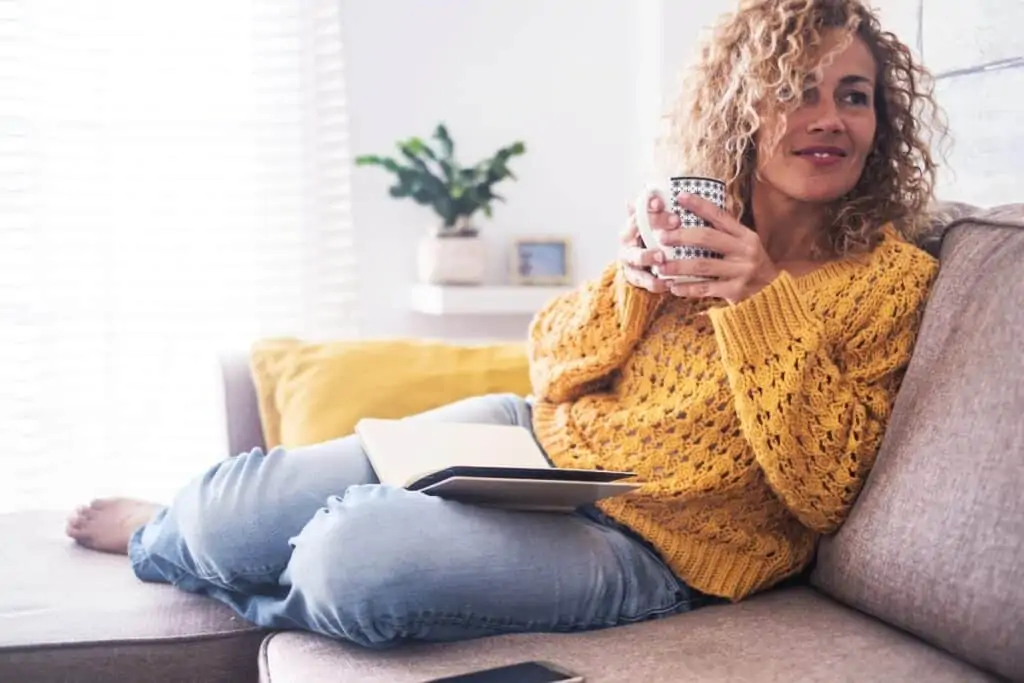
(577, 80)
(582, 83)
(976, 51)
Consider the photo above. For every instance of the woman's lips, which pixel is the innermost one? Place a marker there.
(822, 156)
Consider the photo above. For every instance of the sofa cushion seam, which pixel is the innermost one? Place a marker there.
(264, 656)
(427, 619)
(144, 641)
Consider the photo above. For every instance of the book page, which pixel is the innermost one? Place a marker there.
(402, 451)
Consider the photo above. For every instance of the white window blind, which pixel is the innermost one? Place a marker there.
(173, 184)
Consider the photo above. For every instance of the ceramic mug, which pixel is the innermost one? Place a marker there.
(710, 189)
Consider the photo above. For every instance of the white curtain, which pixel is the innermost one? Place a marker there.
(173, 185)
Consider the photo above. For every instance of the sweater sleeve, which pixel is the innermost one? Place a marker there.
(814, 409)
(580, 338)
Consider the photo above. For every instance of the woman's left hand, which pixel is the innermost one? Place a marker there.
(745, 270)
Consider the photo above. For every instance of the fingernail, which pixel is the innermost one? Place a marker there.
(659, 257)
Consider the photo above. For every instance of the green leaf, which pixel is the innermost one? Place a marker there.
(417, 163)
(417, 146)
(447, 146)
(448, 170)
(372, 160)
(367, 160)
(450, 190)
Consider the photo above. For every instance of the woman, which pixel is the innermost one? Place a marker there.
(751, 405)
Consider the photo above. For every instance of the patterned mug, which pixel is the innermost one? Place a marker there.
(708, 188)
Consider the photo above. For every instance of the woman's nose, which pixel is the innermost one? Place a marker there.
(826, 119)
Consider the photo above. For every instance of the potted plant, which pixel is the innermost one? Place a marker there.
(452, 251)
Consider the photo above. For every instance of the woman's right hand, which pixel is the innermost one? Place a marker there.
(637, 259)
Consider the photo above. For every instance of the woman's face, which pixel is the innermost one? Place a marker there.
(828, 138)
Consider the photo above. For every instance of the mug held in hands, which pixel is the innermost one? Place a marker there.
(708, 188)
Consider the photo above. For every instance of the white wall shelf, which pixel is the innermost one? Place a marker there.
(482, 299)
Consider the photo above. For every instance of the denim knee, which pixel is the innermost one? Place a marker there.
(216, 543)
(357, 565)
(223, 535)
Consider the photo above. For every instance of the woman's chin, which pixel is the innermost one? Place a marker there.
(822, 195)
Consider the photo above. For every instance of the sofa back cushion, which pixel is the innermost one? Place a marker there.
(935, 543)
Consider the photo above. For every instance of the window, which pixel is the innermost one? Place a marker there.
(173, 185)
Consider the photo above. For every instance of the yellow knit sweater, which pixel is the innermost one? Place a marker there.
(752, 427)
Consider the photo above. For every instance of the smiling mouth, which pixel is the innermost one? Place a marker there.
(822, 152)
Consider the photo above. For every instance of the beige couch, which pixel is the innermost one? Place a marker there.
(925, 582)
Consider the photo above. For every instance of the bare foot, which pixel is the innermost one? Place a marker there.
(107, 524)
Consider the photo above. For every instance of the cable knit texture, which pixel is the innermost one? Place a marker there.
(751, 426)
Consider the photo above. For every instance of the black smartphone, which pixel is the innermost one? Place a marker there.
(524, 672)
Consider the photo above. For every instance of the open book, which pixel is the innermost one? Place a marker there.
(496, 465)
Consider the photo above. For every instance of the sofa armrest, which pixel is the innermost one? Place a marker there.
(245, 431)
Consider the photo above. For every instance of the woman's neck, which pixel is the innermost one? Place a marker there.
(790, 230)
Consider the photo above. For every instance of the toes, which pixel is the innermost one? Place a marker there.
(78, 521)
(75, 531)
(84, 540)
(79, 516)
(82, 534)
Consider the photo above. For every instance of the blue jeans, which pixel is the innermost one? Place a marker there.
(307, 539)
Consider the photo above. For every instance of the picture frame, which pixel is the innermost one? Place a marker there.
(541, 261)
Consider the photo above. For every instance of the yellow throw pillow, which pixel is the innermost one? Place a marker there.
(312, 392)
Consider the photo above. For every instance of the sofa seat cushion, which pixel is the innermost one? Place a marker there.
(75, 616)
(788, 635)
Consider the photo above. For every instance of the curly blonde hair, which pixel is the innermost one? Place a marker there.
(755, 68)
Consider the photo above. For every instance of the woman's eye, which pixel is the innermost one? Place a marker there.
(857, 98)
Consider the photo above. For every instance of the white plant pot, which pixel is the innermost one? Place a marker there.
(451, 260)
